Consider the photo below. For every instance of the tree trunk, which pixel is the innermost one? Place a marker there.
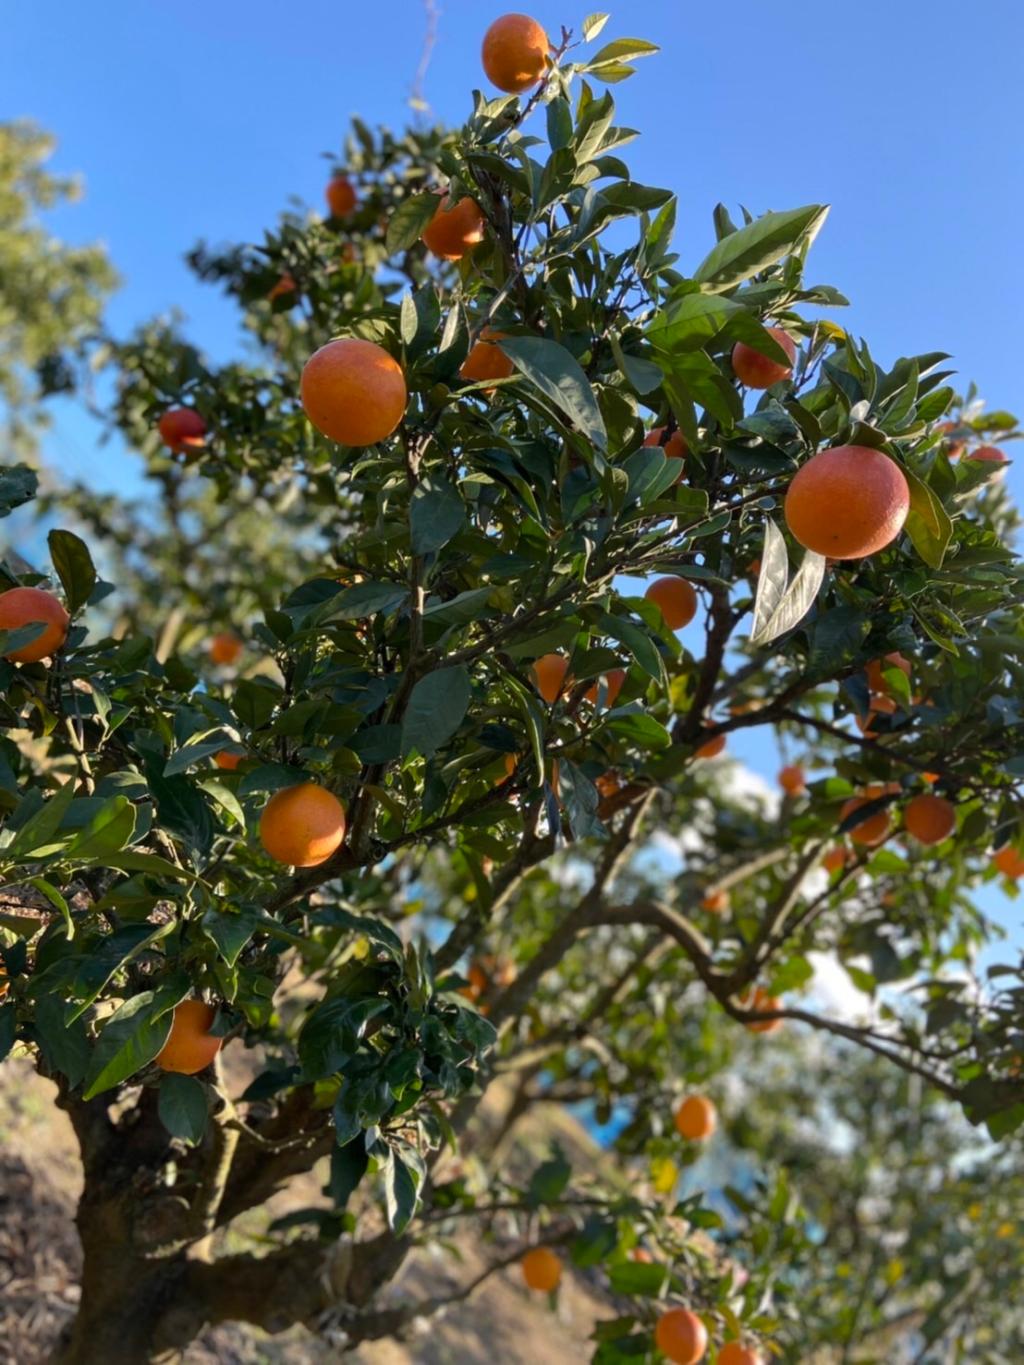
(123, 1304)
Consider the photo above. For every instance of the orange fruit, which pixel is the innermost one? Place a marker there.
(681, 1336)
(302, 825)
(1009, 862)
(675, 448)
(510, 762)
(711, 748)
(641, 1255)
(930, 778)
(189, 1047)
(847, 502)
(228, 761)
(542, 1269)
(696, 1118)
(676, 600)
(341, 196)
(987, 455)
(455, 230)
(613, 681)
(759, 999)
(758, 371)
(791, 780)
(27, 607)
(354, 392)
(873, 830)
(182, 430)
(608, 784)
(515, 53)
(225, 648)
(882, 704)
(285, 285)
(930, 819)
(876, 671)
(485, 360)
(549, 676)
(715, 902)
(3, 985)
(835, 859)
(735, 1353)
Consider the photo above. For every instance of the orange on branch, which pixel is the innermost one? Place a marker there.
(735, 1353)
(485, 360)
(1009, 862)
(696, 1118)
(227, 760)
(225, 649)
(675, 448)
(302, 825)
(987, 455)
(182, 430)
(681, 1336)
(930, 819)
(716, 902)
(549, 675)
(711, 748)
(452, 232)
(28, 607)
(542, 1269)
(190, 1047)
(758, 999)
(835, 859)
(675, 599)
(515, 53)
(873, 829)
(341, 196)
(792, 780)
(847, 502)
(876, 670)
(612, 685)
(759, 371)
(354, 392)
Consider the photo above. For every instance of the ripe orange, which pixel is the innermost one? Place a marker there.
(302, 825)
(30, 606)
(696, 1118)
(182, 430)
(681, 1336)
(641, 1255)
(455, 230)
(485, 360)
(613, 681)
(716, 902)
(354, 392)
(835, 859)
(875, 828)
(675, 448)
(930, 778)
(189, 1047)
(735, 1353)
(542, 1269)
(515, 53)
(285, 285)
(676, 599)
(225, 648)
(847, 502)
(876, 671)
(228, 761)
(930, 819)
(608, 784)
(711, 748)
(987, 455)
(759, 999)
(341, 196)
(549, 676)
(791, 780)
(510, 762)
(1009, 862)
(757, 371)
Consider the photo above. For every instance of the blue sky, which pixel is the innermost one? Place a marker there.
(192, 121)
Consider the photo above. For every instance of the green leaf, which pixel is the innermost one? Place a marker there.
(75, 569)
(132, 860)
(367, 599)
(183, 1107)
(622, 50)
(637, 1278)
(58, 902)
(64, 1045)
(231, 930)
(348, 1166)
(436, 514)
(550, 1179)
(928, 524)
(8, 1028)
(403, 1180)
(110, 829)
(776, 614)
(592, 25)
(408, 221)
(39, 830)
(436, 709)
(636, 640)
(760, 244)
(131, 1038)
(204, 745)
(559, 123)
(559, 377)
(18, 485)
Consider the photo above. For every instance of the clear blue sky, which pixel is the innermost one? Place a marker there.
(200, 120)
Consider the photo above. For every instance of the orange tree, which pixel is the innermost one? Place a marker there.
(429, 679)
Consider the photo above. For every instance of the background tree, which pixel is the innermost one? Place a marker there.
(435, 691)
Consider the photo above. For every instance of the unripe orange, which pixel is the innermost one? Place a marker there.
(515, 53)
(228, 761)
(549, 675)
(485, 360)
(716, 902)
(696, 1118)
(792, 781)
(542, 1269)
(225, 649)
(711, 748)
(182, 430)
(1009, 862)
(874, 829)
(31, 606)
(341, 196)
(735, 1353)
(681, 1336)
(454, 230)
(759, 371)
(930, 819)
(676, 600)
(613, 681)
(354, 392)
(302, 825)
(876, 671)
(190, 1047)
(847, 502)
